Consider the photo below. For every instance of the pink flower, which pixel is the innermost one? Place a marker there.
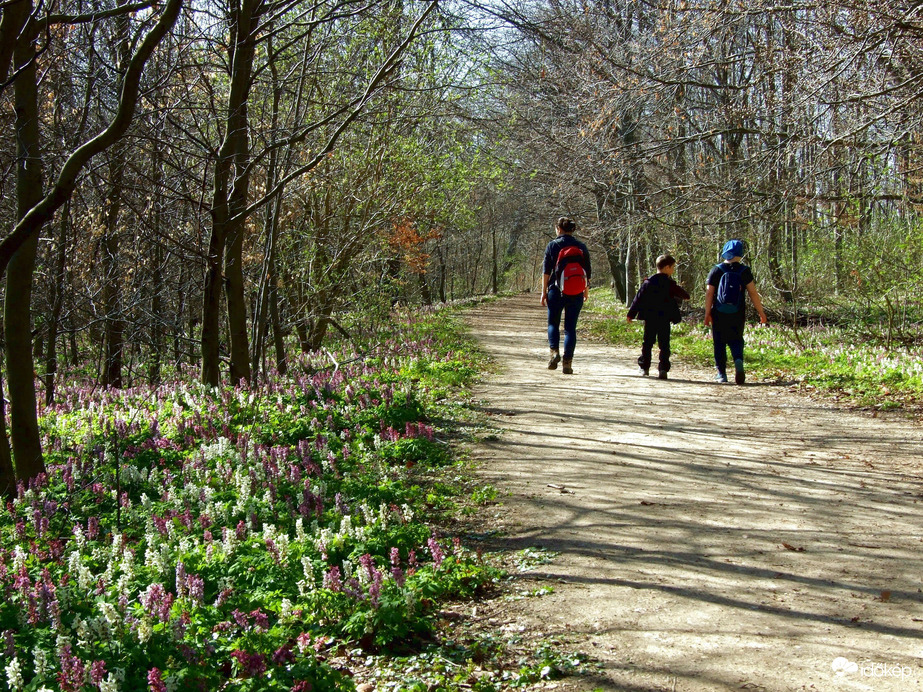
(436, 551)
(303, 641)
(97, 672)
(157, 602)
(71, 677)
(251, 665)
(260, 619)
(155, 682)
(196, 587)
(283, 655)
(332, 579)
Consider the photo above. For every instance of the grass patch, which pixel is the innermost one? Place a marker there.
(825, 357)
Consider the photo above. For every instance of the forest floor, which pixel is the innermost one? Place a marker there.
(698, 536)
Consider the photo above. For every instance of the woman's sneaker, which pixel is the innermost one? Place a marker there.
(721, 377)
(739, 376)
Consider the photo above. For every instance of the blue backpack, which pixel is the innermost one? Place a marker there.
(729, 296)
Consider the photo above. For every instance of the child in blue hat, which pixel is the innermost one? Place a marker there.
(726, 289)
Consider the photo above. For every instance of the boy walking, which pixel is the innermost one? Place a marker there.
(565, 285)
(657, 304)
(727, 287)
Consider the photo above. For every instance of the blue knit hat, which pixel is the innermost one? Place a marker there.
(732, 249)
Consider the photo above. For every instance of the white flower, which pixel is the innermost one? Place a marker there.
(81, 571)
(14, 674)
(83, 632)
(145, 630)
(110, 684)
(41, 662)
(285, 609)
(282, 544)
(61, 641)
(110, 614)
(19, 558)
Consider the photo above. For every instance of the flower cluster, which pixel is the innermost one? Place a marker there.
(193, 537)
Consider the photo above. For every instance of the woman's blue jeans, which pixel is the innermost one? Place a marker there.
(570, 306)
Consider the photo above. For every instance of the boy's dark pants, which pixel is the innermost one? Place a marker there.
(727, 333)
(659, 331)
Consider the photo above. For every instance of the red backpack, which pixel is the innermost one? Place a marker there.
(570, 272)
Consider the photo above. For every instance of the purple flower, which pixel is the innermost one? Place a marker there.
(303, 641)
(196, 587)
(436, 551)
(72, 674)
(180, 580)
(283, 655)
(251, 665)
(10, 643)
(240, 618)
(155, 681)
(332, 579)
(97, 672)
(260, 619)
(157, 602)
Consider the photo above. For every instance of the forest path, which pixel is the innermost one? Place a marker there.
(708, 537)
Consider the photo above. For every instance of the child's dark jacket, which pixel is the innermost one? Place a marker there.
(657, 300)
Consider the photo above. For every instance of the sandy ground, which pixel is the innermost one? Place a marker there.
(708, 537)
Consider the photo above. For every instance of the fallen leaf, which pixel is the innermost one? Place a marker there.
(792, 548)
(885, 596)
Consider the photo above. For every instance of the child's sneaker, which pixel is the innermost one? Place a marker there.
(739, 376)
(555, 359)
(662, 375)
(721, 377)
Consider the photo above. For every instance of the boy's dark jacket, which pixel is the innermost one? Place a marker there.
(658, 300)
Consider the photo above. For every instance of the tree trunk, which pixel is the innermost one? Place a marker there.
(774, 251)
(229, 200)
(157, 308)
(26, 442)
(114, 337)
(261, 317)
(442, 273)
(57, 304)
(211, 309)
(156, 338)
(114, 325)
(495, 261)
(319, 324)
(277, 335)
(237, 306)
(7, 473)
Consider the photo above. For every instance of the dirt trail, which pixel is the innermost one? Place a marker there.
(717, 537)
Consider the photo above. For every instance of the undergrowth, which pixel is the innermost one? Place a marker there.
(234, 538)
